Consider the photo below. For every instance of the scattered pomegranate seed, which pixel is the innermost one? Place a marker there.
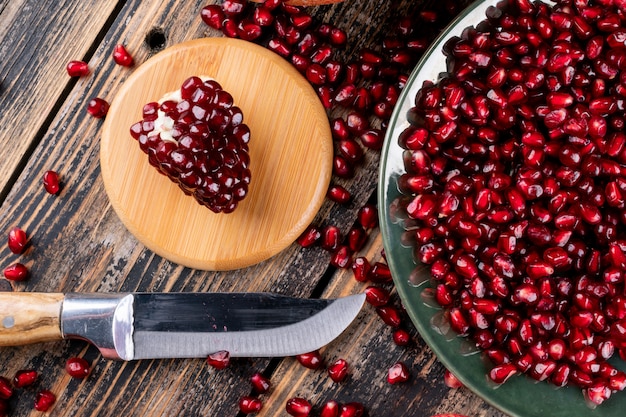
(44, 400)
(361, 268)
(16, 272)
(311, 360)
(390, 315)
(51, 182)
(330, 409)
(122, 57)
(219, 360)
(77, 68)
(338, 194)
(77, 367)
(338, 371)
(451, 380)
(17, 240)
(250, 405)
(25, 377)
(377, 296)
(298, 407)
(98, 107)
(6, 390)
(352, 409)
(398, 373)
(309, 237)
(401, 337)
(260, 383)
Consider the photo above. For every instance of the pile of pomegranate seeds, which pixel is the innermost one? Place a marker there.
(516, 164)
(200, 142)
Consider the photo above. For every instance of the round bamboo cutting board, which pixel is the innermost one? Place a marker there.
(290, 158)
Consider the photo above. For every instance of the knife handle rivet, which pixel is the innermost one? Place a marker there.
(8, 322)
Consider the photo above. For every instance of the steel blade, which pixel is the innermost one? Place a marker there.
(244, 324)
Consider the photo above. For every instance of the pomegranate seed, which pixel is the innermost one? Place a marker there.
(380, 273)
(213, 15)
(122, 57)
(377, 296)
(330, 409)
(341, 257)
(338, 194)
(331, 238)
(260, 383)
(250, 405)
(51, 182)
(352, 409)
(398, 373)
(390, 315)
(44, 400)
(451, 381)
(98, 107)
(77, 367)
(309, 237)
(16, 272)
(6, 390)
(17, 240)
(77, 68)
(298, 407)
(25, 377)
(219, 360)
(338, 371)
(401, 337)
(368, 216)
(311, 360)
(501, 373)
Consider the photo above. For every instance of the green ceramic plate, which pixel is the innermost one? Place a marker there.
(520, 396)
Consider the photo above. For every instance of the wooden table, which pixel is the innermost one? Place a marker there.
(77, 243)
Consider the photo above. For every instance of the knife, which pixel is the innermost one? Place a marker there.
(132, 326)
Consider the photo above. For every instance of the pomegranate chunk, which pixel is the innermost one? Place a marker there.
(17, 240)
(196, 137)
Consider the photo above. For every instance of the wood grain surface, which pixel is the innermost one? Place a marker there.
(78, 243)
(291, 153)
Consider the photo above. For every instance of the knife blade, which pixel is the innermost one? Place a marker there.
(132, 326)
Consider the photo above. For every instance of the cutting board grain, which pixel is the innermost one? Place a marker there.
(290, 150)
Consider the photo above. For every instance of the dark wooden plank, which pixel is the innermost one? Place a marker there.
(37, 39)
(78, 244)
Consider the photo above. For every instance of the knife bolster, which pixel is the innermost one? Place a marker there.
(29, 317)
(105, 320)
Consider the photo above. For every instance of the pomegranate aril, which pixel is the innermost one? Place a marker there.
(398, 373)
(25, 377)
(16, 272)
(338, 371)
(341, 257)
(368, 216)
(77, 68)
(51, 182)
(377, 296)
(309, 237)
(98, 107)
(17, 240)
(390, 315)
(44, 400)
(311, 360)
(260, 383)
(331, 238)
(380, 272)
(330, 409)
(219, 360)
(451, 380)
(77, 367)
(401, 337)
(352, 409)
(6, 389)
(250, 405)
(213, 15)
(122, 57)
(298, 407)
(338, 194)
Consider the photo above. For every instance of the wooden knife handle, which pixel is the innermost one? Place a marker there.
(27, 317)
